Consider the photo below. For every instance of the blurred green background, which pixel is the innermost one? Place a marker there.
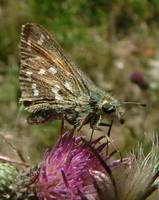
(115, 42)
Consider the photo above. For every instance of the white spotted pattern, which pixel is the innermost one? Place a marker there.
(35, 90)
(41, 40)
(58, 97)
(28, 79)
(52, 70)
(68, 86)
(29, 73)
(33, 86)
(41, 72)
(36, 58)
(55, 89)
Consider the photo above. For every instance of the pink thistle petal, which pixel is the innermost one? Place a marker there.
(66, 170)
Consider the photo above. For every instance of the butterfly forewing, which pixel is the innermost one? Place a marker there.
(52, 87)
(46, 75)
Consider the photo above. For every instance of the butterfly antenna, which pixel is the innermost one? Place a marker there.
(133, 103)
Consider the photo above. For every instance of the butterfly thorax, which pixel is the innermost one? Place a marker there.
(88, 109)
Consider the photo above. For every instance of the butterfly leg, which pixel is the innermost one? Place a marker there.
(109, 140)
(71, 132)
(84, 121)
(90, 140)
(108, 133)
(109, 125)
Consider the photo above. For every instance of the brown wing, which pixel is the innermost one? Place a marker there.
(46, 75)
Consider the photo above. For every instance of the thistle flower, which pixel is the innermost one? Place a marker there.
(8, 174)
(68, 169)
(78, 170)
(138, 79)
(140, 181)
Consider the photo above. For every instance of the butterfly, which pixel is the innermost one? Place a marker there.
(53, 87)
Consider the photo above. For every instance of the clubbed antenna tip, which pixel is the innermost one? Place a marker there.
(134, 103)
(143, 104)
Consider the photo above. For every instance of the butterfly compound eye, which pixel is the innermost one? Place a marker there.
(122, 121)
(108, 108)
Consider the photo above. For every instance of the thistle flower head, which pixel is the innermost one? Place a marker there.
(8, 173)
(139, 79)
(68, 169)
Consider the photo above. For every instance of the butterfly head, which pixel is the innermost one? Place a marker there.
(116, 107)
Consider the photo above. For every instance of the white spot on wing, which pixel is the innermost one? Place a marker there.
(55, 88)
(41, 40)
(37, 57)
(28, 79)
(41, 72)
(58, 97)
(35, 92)
(48, 37)
(68, 86)
(33, 86)
(29, 73)
(52, 70)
